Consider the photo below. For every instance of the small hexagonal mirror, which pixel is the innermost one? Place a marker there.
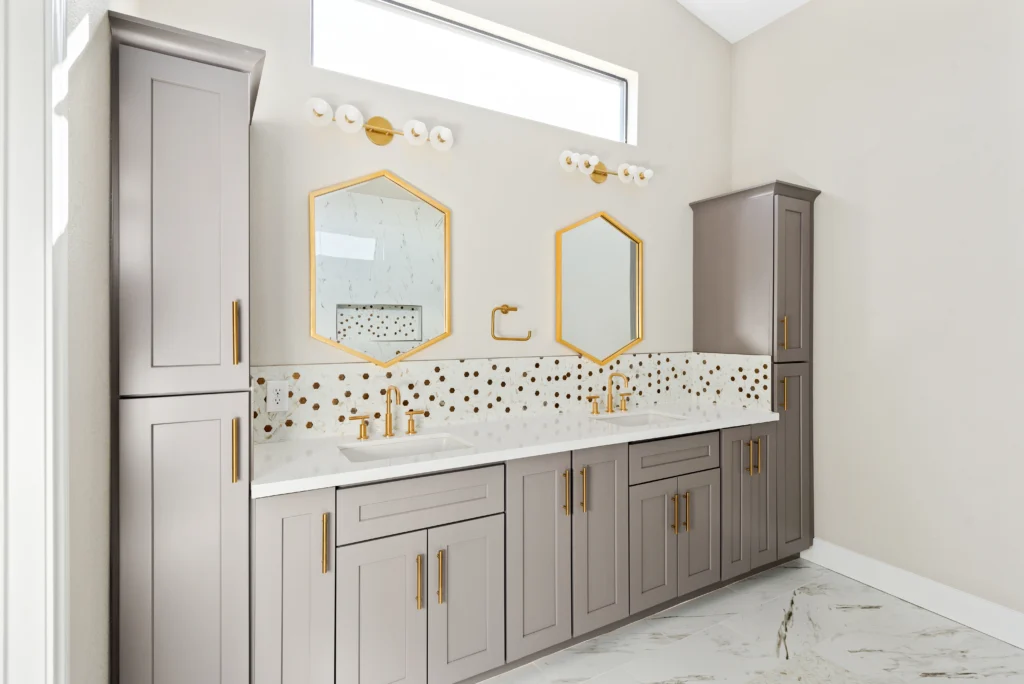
(599, 288)
(379, 262)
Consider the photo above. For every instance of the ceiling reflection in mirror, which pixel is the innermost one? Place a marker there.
(599, 283)
(379, 268)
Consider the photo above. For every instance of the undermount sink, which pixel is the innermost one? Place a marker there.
(401, 447)
(640, 419)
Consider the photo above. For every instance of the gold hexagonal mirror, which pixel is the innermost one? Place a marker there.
(379, 261)
(599, 300)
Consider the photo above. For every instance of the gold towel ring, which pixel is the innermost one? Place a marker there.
(504, 309)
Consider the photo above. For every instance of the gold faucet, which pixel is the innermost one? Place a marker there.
(389, 428)
(611, 389)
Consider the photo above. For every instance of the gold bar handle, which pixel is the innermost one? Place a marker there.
(234, 450)
(583, 501)
(758, 455)
(785, 332)
(419, 581)
(750, 465)
(323, 543)
(686, 521)
(440, 576)
(568, 493)
(785, 394)
(235, 349)
(675, 514)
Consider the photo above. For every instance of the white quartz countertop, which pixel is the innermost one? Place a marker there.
(303, 465)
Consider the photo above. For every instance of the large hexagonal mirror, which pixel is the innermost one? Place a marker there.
(379, 268)
(599, 288)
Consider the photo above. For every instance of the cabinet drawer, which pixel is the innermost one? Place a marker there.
(379, 510)
(651, 461)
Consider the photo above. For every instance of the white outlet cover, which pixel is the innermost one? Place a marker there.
(277, 396)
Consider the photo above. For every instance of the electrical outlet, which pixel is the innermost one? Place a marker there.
(277, 396)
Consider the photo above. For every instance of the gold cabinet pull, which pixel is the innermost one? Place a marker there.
(785, 332)
(758, 455)
(785, 394)
(686, 520)
(235, 349)
(234, 450)
(419, 581)
(568, 493)
(750, 463)
(440, 576)
(675, 514)
(583, 501)
(323, 543)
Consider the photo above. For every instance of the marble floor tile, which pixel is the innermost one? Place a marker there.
(794, 623)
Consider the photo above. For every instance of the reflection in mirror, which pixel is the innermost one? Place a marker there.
(379, 268)
(599, 298)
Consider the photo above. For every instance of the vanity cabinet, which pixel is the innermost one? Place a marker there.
(600, 546)
(184, 539)
(538, 553)
(382, 604)
(793, 259)
(294, 576)
(182, 196)
(749, 522)
(792, 401)
(674, 538)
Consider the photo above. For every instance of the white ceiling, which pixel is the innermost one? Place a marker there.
(737, 19)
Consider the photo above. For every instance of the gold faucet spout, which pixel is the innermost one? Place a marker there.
(611, 389)
(389, 428)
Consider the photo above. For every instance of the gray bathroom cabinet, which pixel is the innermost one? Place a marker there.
(382, 606)
(466, 616)
(792, 401)
(674, 538)
(752, 272)
(749, 537)
(183, 217)
(294, 576)
(538, 553)
(600, 545)
(184, 540)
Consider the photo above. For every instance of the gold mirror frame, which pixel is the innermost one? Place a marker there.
(447, 266)
(639, 287)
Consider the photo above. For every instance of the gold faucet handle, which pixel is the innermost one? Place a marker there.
(593, 404)
(410, 428)
(623, 396)
(363, 420)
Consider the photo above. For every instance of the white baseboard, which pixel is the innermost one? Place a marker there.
(982, 615)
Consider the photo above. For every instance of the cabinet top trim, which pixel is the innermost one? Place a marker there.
(775, 188)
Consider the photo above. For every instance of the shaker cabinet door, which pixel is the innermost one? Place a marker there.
(792, 280)
(539, 553)
(183, 225)
(381, 626)
(294, 575)
(600, 547)
(700, 530)
(793, 457)
(184, 539)
(466, 610)
(736, 484)
(653, 537)
(763, 518)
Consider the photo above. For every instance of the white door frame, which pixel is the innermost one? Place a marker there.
(32, 644)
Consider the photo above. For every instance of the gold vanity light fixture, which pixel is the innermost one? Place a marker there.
(590, 165)
(378, 129)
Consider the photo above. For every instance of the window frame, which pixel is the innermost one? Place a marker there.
(435, 11)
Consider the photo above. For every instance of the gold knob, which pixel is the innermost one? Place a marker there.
(623, 396)
(363, 434)
(593, 404)
(410, 428)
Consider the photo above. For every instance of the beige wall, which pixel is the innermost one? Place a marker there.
(506, 191)
(908, 115)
